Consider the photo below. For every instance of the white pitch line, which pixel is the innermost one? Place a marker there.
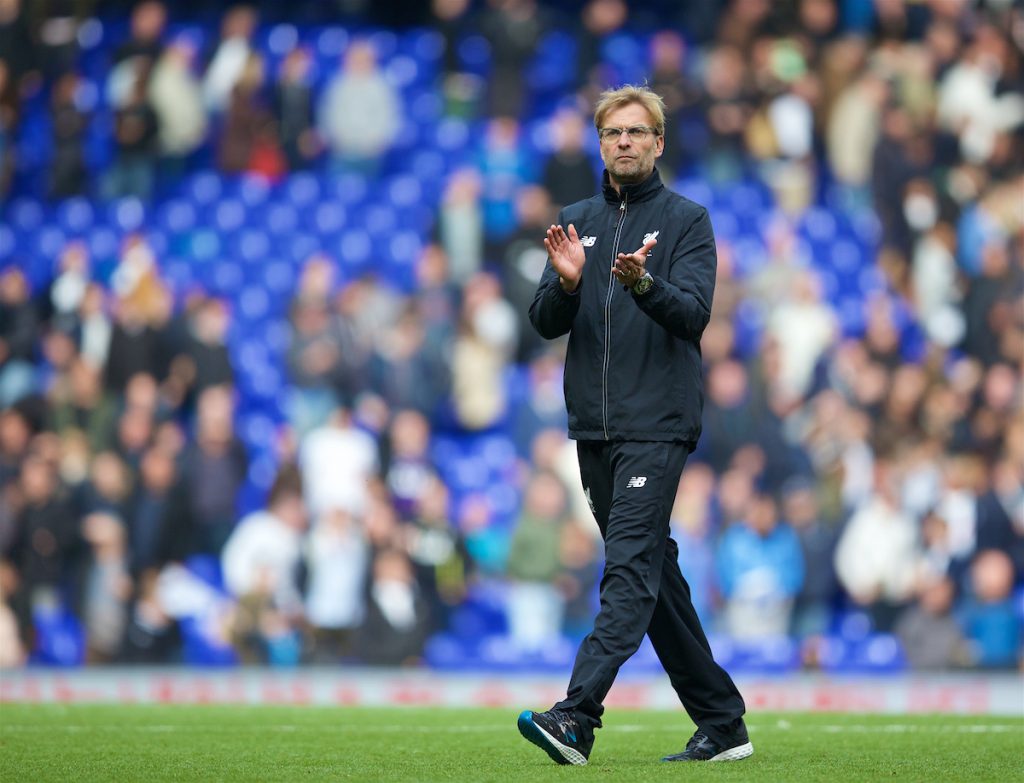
(627, 728)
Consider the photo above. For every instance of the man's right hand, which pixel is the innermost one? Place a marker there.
(567, 256)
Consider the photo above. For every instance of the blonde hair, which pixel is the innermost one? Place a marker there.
(624, 96)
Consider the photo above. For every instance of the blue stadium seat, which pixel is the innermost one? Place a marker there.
(177, 215)
(9, 242)
(202, 647)
(59, 638)
(474, 53)
(75, 215)
(204, 187)
(282, 218)
(104, 244)
(25, 214)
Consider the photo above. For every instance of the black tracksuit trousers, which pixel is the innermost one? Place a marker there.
(632, 488)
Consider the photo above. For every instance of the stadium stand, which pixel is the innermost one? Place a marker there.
(863, 170)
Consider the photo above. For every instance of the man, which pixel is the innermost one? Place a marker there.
(633, 393)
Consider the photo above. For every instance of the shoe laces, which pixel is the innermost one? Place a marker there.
(696, 740)
(565, 720)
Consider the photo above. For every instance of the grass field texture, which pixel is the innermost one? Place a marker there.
(219, 743)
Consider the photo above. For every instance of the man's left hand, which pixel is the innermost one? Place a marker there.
(630, 267)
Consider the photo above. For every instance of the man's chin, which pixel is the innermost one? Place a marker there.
(629, 175)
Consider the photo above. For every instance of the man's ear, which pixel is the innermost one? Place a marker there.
(659, 146)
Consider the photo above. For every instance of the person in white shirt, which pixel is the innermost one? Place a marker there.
(337, 462)
(260, 562)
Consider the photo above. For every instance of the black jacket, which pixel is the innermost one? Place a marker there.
(633, 368)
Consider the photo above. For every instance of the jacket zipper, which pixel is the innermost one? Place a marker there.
(608, 317)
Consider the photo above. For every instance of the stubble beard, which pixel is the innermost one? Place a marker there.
(631, 171)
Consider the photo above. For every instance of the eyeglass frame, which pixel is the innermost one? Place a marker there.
(646, 129)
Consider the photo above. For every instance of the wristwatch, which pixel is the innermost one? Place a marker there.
(643, 285)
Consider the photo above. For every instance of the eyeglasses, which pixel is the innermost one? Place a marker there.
(636, 133)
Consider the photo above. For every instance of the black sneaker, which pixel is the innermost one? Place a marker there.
(702, 748)
(557, 733)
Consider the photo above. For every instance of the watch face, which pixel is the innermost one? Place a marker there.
(643, 285)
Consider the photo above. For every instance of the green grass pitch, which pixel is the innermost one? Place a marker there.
(226, 743)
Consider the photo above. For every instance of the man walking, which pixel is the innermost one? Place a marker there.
(633, 393)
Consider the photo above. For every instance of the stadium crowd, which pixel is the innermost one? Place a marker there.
(863, 447)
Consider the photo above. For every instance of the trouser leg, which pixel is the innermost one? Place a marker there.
(632, 486)
(705, 689)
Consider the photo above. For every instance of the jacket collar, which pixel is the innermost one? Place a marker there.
(639, 191)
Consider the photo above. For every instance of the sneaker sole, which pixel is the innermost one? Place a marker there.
(559, 753)
(734, 754)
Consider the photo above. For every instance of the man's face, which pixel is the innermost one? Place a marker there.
(630, 161)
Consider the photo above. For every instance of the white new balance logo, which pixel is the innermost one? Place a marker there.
(588, 241)
(636, 481)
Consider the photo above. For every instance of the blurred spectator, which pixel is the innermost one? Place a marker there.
(248, 142)
(176, 97)
(461, 224)
(671, 80)
(148, 20)
(149, 519)
(135, 136)
(395, 629)
(108, 586)
(403, 370)
(728, 106)
(928, 631)
(67, 291)
(522, 261)
(205, 360)
(293, 110)
(813, 608)
(761, 571)
(481, 353)
(569, 172)
(18, 44)
(361, 112)
(989, 616)
(599, 20)
(535, 605)
(408, 472)
(12, 652)
(514, 29)
(108, 489)
(578, 580)
(213, 469)
(68, 174)
(504, 167)
(462, 90)
(316, 349)
(95, 327)
(691, 528)
(803, 327)
(78, 404)
(541, 406)
(18, 331)
(337, 563)
(41, 554)
(729, 417)
(9, 117)
(337, 461)
(875, 548)
(261, 562)
(230, 57)
(438, 554)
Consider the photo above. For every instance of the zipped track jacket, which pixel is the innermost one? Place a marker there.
(633, 367)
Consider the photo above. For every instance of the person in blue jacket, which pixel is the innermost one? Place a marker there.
(633, 393)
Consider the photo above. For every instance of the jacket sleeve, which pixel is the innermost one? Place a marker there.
(553, 310)
(682, 303)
